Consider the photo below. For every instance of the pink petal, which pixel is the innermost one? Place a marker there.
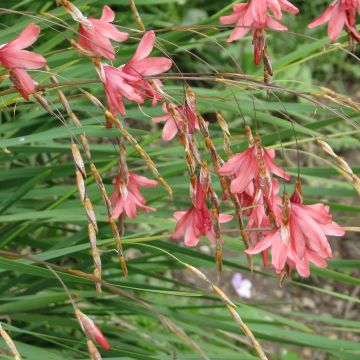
(26, 38)
(229, 19)
(143, 181)
(14, 58)
(23, 82)
(145, 46)
(333, 229)
(238, 33)
(288, 7)
(275, 7)
(178, 215)
(170, 130)
(273, 168)
(323, 18)
(191, 238)
(151, 66)
(274, 25)
(110, 31)
(224, 218)
(336, 24)
(279, 252)
(107, 14)
(263, 244)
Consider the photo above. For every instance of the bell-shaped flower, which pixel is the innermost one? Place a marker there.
(127, 198)
(255, 15)
(301, 237)
(14, 57)
(96, 36)
(196, 221)
(245, 167)
(128, 81)
(341, 14)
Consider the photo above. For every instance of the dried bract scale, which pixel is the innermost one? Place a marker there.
(346, 170)
(91, 330)
(81, 185)
(90, 213)
(10, 343)
(75, 13)
(93, 351)
(17, 60)
(79, 162)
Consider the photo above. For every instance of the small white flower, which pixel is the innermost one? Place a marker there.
(241, 286)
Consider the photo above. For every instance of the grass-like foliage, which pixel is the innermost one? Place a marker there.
(78, 243)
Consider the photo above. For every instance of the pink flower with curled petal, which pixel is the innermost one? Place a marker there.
(127, 199)
(129, 80)
(301, 237)
(245, 167)
(341, 14)
(196, 221)
(91, 330)
(14, 57)
(97, 37)
(172, 125)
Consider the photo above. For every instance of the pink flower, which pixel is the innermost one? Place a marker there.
(128, 80)
(341, 14)
(172, 125)
(127, 199)
(245, 168)
(196, 221)
(96, 37)
(91, 330)
(13, 57)
(301, 237)
(255, 16)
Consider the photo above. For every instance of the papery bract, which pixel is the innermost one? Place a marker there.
(13, 57)
(341, 14)
(196, 221)
(127, 199)
(97, 37)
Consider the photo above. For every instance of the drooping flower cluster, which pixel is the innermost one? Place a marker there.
(301, 237)
(295, 233)
(341, 14)
(257, 16)
(17, 60)
(196, 221)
